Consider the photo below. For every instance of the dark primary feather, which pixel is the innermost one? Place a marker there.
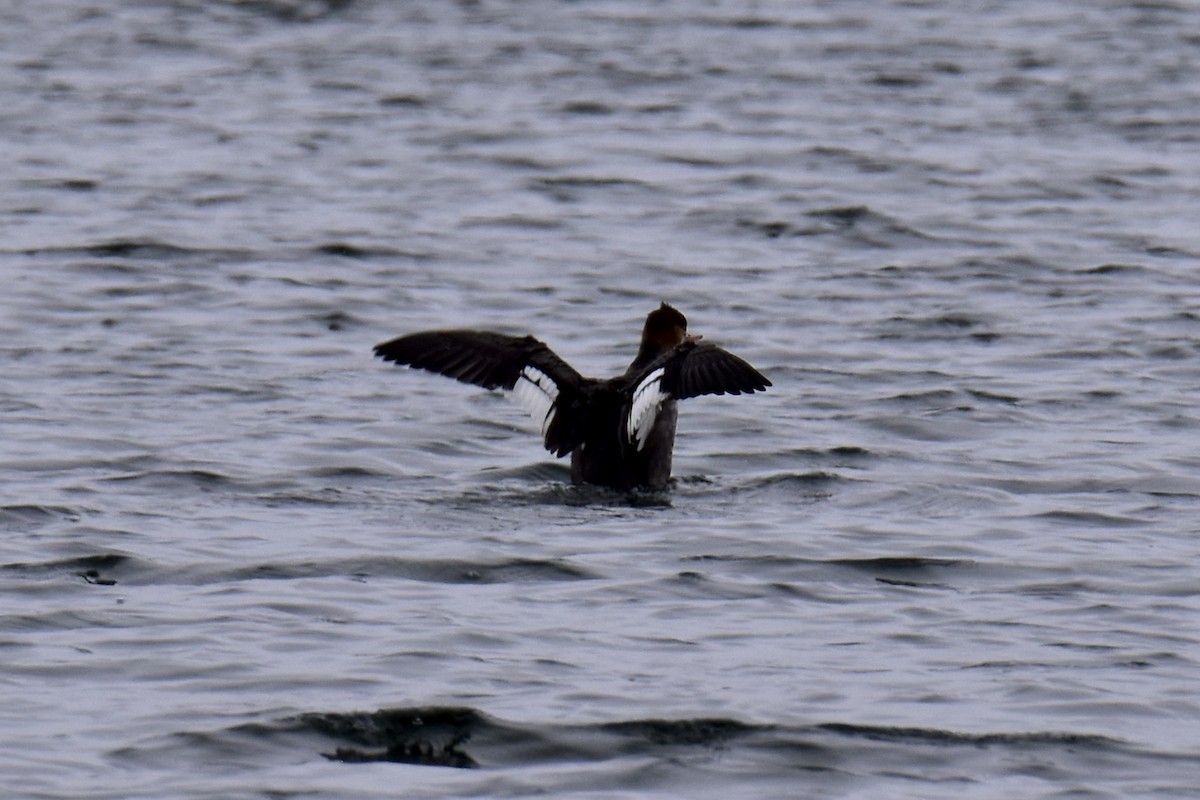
(490, 360)
(691, 370)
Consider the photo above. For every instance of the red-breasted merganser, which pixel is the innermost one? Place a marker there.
(620, 432)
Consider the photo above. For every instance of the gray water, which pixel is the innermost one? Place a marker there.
(951, 553)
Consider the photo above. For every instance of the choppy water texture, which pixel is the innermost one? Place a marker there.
(952, 553)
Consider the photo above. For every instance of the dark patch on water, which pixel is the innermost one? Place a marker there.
(346, 250)
(718, 748)
(842, 216)
(465, 737)
(897, 563)
(404, 101)
(694, 732)
(590, 107)
(125, 248)
(338, 320)
(428, 736)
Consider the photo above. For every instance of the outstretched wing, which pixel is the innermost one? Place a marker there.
(539, 380)
(707, 369)
(688, 370)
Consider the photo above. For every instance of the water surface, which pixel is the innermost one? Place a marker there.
(949, 554)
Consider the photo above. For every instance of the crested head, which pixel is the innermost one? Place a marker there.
(666, 318)
(665, 328)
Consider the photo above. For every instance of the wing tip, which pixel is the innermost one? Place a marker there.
(390, 351)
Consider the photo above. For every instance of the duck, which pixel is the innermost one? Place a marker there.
(619, 432)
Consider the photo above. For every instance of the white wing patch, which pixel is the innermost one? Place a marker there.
(536, 393)
(648, 398)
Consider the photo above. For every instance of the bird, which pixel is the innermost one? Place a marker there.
(619, 432)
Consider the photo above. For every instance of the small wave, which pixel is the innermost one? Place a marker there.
(96, 569)
(29, 516)
(346, 471)
(141, 250)
(939, 327)
(804, 481)
(168, 482)
(537, 472)
(174, 478)
(902, 570)
(1115, 269)
(797, 576)
(1090, 519)
(860, 224)
(429, 571)
(944, 737)
(104, 569)
(520, 222)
